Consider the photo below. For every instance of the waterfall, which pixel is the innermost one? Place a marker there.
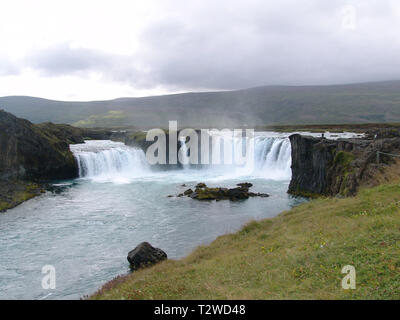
(183, 153)
(272, 158)
(105, 160)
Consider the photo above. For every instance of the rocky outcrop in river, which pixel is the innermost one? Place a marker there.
(241, 192)
(337, 167)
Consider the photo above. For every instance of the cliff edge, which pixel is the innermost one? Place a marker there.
(31, 154)
(338, 167)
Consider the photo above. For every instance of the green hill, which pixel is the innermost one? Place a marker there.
(377, 102)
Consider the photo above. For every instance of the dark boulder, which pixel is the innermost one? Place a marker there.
(145, 255)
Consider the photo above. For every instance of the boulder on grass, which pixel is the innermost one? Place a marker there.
(145, 255)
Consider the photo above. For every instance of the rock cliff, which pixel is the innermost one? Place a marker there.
(31, 152)
(337, 167)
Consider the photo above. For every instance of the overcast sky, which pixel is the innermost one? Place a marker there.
(90, 50)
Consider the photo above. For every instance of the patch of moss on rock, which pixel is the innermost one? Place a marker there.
(343, 158)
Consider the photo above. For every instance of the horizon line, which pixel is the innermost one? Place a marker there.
(208, 91)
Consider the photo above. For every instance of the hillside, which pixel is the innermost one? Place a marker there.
(377, 102)
(297, 255)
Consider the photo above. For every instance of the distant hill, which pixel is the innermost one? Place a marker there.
(377, 102)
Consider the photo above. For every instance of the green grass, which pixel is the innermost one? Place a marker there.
(16, 192)
(297, 255)
(343, 158)
(112, 118)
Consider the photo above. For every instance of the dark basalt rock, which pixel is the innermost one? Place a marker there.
(35, 152)
(145, 255)
(202, 192)
(31, 154)
(337, 167)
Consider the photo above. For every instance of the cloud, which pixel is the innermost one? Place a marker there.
(238, 44)
(234, 46)
(8, 67)
(62, 59)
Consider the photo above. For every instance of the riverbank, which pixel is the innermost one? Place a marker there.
(13, 193)
(297, 255)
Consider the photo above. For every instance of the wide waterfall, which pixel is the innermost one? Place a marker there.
(108, 160)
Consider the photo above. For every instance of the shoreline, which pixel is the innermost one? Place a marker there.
(109, 285)
(14, 193)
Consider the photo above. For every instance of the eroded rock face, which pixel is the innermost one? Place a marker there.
(31, 152)
(336, 167)
(145, 255)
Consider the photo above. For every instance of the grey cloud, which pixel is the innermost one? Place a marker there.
(62, 59)
(293, 43)
(229, 45)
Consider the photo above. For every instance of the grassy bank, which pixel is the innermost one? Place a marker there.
(296, 255)
(13, 193)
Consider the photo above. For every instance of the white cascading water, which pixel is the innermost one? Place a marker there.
(183, 150)
(273, 158)
(107, 160)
